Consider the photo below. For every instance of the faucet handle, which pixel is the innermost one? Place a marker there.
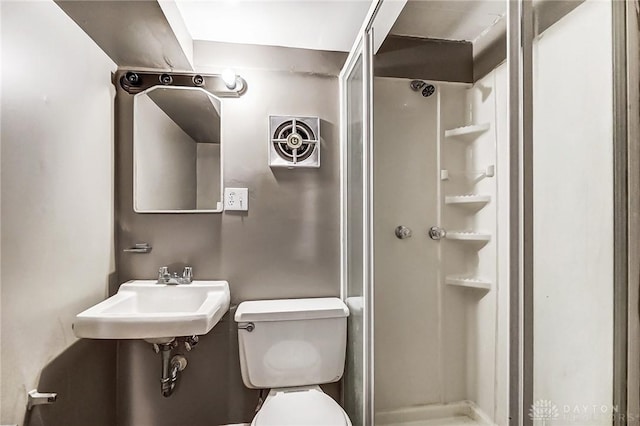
(187, 273)
(163, 272)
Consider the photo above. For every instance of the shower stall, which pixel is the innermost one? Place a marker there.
(486, 214)
(441, 313)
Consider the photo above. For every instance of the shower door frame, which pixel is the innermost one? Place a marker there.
(520, 34)
(520, 387)
(520, 131)
(629, 39)
(522, 28)
(621, 213)
(363, 47)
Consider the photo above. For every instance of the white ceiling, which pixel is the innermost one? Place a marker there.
(330, 24)
(309, 24)
(448, 19)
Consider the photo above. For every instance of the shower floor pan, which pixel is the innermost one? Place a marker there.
(454, 414)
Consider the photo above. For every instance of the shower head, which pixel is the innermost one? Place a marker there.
(428, 90)
(417, 85)
(425, 88)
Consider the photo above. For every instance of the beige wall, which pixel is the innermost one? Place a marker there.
(286, 245)
(57, 215)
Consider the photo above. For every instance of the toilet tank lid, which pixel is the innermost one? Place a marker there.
(291, 309)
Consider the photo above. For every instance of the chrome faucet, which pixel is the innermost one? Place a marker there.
(165, 277)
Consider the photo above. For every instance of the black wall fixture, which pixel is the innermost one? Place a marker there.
(138, 81)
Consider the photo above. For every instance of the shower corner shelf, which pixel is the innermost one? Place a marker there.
(478, 283)
(487, 172)
(467, 132)
(468, 200)
(479, 237)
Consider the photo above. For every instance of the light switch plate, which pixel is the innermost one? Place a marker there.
(236, 199)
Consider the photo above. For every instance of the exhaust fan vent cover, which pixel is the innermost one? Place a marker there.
(294, 141)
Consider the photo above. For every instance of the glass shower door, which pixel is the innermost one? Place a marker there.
(573, 301)
(355, 94)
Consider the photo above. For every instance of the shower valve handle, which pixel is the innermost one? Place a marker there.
(436, 233)
(402, 232)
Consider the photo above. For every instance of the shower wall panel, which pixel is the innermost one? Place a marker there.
(453, 157)
(487, 313)
(407, 309)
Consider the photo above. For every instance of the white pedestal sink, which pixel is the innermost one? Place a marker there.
(142, 309)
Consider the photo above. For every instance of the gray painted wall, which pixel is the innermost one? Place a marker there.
(286, 246)
(57, 217)
(133, 33)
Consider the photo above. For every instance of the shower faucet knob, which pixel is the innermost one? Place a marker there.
(402, 232)
(437, 233)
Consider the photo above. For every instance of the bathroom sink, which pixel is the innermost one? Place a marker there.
(142, 309)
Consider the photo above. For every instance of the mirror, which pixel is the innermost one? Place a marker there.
(177, 151)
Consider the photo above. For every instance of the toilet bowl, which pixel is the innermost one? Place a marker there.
(291, 347)
(307, 406)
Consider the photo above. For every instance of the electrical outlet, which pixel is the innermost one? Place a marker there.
(236, 199)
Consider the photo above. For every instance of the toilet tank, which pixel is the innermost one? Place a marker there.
(291, 342)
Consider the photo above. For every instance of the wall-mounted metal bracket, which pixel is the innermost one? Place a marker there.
(141, 248)
(40, 398)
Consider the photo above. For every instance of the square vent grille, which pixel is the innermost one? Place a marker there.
(294, 141)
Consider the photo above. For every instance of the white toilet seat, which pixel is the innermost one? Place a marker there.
(301, 406)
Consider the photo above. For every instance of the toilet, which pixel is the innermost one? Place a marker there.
(292, 346)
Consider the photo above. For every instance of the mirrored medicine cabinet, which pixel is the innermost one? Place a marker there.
(177, 144)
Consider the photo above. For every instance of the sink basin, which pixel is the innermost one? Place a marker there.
(142, 309)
